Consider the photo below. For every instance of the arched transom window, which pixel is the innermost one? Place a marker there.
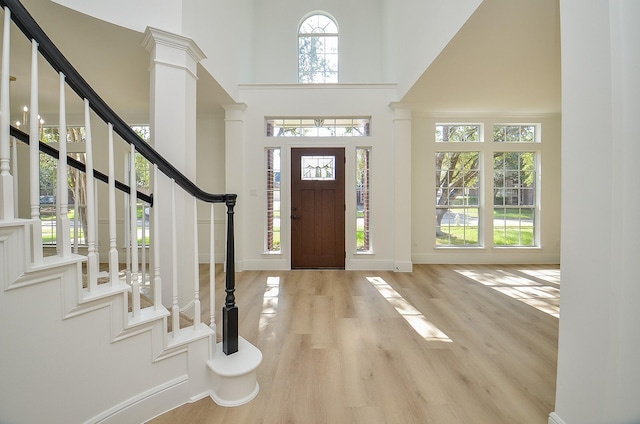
(318, 50)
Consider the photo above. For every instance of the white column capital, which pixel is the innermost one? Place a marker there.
(234, 111)
(172, 49)
(401, 111)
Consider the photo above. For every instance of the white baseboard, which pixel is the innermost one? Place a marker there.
(266, 265)
(369, 265)
(402, 266)
(555, 419)
(482, 256)
(145, 406)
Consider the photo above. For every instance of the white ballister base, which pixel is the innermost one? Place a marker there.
(235, 380)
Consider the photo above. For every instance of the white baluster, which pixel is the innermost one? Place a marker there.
(113, 247)
(175, 310)
(6, 184)
(143, 249)
(155, 245)
(76, 213)
(34, 158)
(63, 230)
(212, 283)
(133, 211)
(14, 175)
(127, 237)
(196, 268)
(92, 256)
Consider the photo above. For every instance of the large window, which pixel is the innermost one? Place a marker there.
(457, 210)
(514, 183)
(318, 50)
(486, 184)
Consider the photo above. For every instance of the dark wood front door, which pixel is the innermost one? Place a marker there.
(317, 208)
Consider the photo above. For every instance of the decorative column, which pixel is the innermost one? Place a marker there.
(174, 60)
(234, 169)
(402, 187)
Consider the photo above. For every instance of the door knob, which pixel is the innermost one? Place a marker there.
(295, 217)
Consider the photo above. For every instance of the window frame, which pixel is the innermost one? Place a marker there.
(465, 205)
(520, 207)
(317, 126)
(269, 231)
(319, 35)
(487, 146)
(367, 247)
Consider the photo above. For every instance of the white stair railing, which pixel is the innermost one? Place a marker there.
(34, 159)
(212, 282)
(76, 213)
(6, 184)
(63, 228)
(92, 254)
(143, 250)
(196, 268)
(43, 48)
(175, 307)
(133, 232)
(113, 243)
(155, 248)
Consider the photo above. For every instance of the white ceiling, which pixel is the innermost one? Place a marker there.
(505, 59)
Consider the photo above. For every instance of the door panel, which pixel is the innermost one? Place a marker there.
(317, 208)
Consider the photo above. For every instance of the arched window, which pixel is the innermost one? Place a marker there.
(318, 50)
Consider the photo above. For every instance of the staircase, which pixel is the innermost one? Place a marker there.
(73, 350)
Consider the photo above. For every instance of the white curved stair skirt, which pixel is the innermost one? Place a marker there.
(235, 381)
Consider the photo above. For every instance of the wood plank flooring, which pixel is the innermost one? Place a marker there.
(443, 344)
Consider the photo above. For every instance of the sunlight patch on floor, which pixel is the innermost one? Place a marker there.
(542, 290)
(269, 304)
(551, 275)
(425, 328)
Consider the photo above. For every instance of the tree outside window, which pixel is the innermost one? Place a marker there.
(318, 50)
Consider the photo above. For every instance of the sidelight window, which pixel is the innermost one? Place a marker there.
(363, 185)
(273, 200)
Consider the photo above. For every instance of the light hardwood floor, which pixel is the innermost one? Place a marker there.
(443, 344)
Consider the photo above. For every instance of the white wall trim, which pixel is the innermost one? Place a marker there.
(457, 116)
(555, 419)
(469, 257)
(137, 406)
(266, 265)
(353, 86)
(403, 266)
(369, 265)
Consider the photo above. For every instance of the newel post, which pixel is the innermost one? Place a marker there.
(230, 309)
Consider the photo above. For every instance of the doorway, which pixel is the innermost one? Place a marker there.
(317, 208)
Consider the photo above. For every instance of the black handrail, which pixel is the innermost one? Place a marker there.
(56, 59)
(49, 150)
